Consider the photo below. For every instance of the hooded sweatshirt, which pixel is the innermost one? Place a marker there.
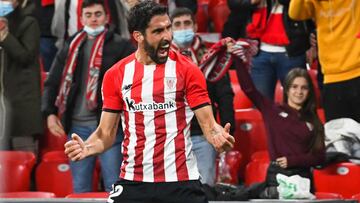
(338, 22)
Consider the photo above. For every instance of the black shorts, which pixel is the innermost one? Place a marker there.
(125, 191)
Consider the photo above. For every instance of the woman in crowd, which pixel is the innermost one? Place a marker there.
(295, 133)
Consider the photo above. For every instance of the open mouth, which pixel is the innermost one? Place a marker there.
(163, 49)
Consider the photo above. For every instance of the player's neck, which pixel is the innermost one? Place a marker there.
(143, 58)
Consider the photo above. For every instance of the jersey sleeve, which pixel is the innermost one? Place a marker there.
(111, 92)
(196, 89)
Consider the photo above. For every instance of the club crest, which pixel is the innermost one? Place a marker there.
(170, 83)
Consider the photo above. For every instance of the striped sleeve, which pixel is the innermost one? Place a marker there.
(112, 100)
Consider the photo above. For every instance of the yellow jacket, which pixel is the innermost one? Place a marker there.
(338, 23)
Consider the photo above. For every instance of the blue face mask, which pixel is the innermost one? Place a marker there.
(94, 32)
(183, 38)
(5, 8)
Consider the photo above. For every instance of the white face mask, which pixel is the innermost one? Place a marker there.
(94, 32)
(5, 8)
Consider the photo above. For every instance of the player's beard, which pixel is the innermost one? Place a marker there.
(153, 52)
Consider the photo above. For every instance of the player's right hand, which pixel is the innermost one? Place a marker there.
(75, 148)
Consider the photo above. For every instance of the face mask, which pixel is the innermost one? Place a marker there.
(183, 37)
(94, 32)
(5, 8)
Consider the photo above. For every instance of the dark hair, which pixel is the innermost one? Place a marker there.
(182, 11)
(141, 14)
(87, 3)
(308, 110)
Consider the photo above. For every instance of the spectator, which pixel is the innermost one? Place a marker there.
(295, 133)
(283, 43)
(72, 94)
(154, 90)
(44, 14)
(21, 121)
(339, 50)
(220, 93)
(66, 21)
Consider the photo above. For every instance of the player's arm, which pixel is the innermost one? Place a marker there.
(214, 133)
(99, 141)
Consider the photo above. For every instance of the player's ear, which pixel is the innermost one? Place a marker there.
(138, 36)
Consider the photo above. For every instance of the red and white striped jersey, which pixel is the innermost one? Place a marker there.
(155, 103)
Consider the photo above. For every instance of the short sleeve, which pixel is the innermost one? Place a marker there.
(112, 100)
(196, 89)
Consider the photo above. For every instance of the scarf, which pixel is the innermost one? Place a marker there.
(217, 61)
(93, 71)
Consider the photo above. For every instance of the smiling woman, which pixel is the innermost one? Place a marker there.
(295, 133)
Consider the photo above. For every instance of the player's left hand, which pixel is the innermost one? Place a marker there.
(221, 138)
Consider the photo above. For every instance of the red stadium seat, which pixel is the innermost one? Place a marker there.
(313, 75)
(327, 195)
(218, 12)
(260, 155)
(15, 170)
(202, 15)
(56, 163)
(321, 114)
(250, 135)
(278, 97)
(342, 178)
(89, 195)
(241, 101)
(256, 172)
(29, 194)
(356, 196)
(50, 142)
(59, 182)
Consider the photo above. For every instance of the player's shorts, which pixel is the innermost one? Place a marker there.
(125, 191)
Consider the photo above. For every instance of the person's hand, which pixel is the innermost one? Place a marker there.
(313, 41)
(76, 149)
(221, 138)
(4, 29)
(238, 49)
(255, 1)
(282, 162)
(54, 125)
(131, 3)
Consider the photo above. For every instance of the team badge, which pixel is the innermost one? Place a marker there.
(170, 83)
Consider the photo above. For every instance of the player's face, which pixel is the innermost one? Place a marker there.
(157, 38)
(298, 92)
(94, 16)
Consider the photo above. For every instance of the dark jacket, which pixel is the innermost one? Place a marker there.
(240, 14)
(115, 48)
(222, 97)
(44, 15)
(20, 75)
(298, 32)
